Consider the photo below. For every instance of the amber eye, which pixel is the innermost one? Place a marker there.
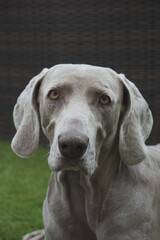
(53, 95)
(104, 100)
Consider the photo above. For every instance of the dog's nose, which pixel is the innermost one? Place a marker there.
(72, 144)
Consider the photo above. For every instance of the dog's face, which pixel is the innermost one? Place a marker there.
(79, 109)
(86, 112)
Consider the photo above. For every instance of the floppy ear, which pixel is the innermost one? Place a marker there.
(26, 121)
(136, 124)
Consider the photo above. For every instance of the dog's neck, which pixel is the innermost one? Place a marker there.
(97, 185)
(108, 165)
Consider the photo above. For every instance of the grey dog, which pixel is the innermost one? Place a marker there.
(105, 181)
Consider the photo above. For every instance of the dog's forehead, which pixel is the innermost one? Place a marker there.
(81, 74)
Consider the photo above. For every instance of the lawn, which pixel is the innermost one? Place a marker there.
(23, 185)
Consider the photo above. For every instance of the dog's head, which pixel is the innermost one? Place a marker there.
(84, 110)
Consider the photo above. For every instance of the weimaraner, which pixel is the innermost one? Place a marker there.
(105, 182)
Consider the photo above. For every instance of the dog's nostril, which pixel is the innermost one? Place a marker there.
(80, 148)
(64, 146)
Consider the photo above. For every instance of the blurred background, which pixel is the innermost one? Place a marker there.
(123, 35)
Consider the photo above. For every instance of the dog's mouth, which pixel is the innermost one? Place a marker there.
(85, 164)
(63, 163)
(72, 150)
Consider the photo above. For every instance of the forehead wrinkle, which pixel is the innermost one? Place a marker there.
(98, 90)
(82, 77)
(61, 85)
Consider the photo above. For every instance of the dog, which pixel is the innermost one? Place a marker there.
(105, 181)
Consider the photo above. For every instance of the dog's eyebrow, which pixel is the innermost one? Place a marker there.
(63, 85)
(98, 88)
(99, 85)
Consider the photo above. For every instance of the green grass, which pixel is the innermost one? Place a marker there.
(23, 186)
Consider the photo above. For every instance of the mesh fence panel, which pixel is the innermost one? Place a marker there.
(123, 35)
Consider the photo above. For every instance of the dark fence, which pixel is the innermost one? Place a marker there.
(123, 35)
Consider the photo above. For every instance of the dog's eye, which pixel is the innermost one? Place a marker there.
(53, 95)
(104, 100)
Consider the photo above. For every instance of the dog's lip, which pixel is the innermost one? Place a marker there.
(66, 163)
(70, 160)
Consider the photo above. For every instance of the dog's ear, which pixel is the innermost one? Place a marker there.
(26, 121)
(136, 124)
